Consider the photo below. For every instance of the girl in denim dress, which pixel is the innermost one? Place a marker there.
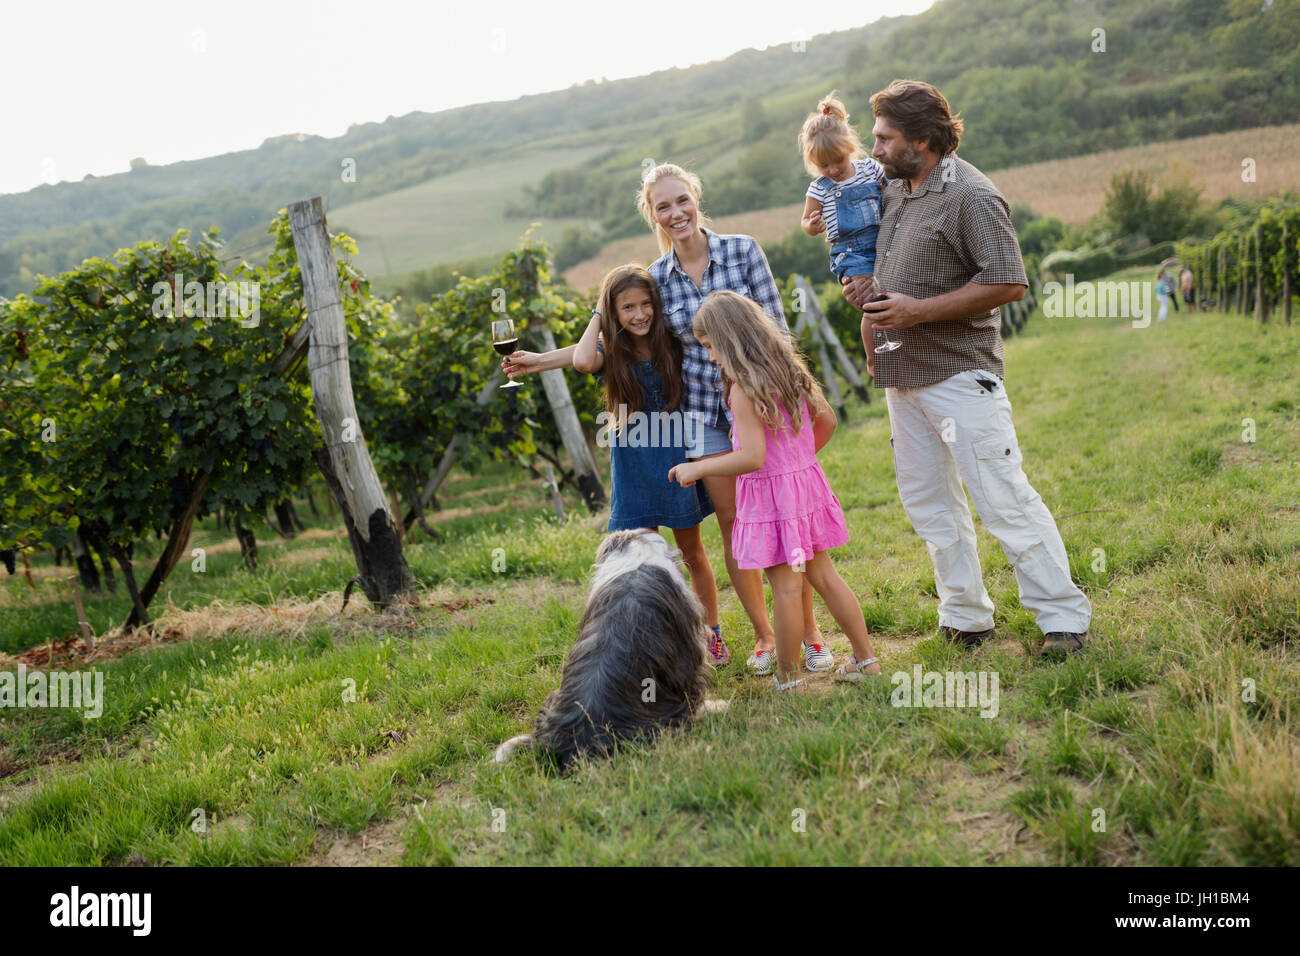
(844, 199)
(644, 422)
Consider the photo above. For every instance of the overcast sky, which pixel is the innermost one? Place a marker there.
(88, 85)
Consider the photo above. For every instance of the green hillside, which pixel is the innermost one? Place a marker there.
(1028, 75)
(461, 213)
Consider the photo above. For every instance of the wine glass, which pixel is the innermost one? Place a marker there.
(505, 340)
(889, 344)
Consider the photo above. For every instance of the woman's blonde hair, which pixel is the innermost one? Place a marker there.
(655, 175)
(827, 137)
(767, 365)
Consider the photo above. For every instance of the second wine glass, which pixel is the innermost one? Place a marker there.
(889, 344)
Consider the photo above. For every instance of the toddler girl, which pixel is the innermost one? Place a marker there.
(844, 198)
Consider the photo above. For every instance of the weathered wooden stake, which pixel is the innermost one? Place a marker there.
(452, 452)
(345, 460)
(1261, 303)
(828, 336)
(555, 491)
(87, 635)
(1223, 278)
(1286, 274)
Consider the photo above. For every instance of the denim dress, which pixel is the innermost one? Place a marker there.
(857, 213)
(639, 462)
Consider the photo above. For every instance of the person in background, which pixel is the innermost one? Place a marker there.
(1163, 288)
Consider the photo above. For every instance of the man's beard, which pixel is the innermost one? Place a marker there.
(905, 166)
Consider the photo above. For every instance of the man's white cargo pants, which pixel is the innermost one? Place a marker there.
(958, 431)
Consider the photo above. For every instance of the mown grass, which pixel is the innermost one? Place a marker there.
(1173, 742)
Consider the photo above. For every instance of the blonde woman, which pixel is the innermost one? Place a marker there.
(694, 262)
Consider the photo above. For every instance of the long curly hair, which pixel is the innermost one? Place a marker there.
(754, 354)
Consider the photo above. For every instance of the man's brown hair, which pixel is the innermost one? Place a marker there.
(919, 111)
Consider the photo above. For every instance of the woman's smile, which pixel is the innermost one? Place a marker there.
(674, 207)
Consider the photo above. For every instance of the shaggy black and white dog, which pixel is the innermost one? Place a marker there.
(640, 662)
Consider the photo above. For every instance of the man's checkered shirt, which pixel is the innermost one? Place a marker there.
(955, 229)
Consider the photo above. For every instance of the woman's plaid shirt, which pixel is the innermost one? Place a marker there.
(736, 264)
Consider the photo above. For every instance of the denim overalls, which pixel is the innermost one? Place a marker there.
(857, 220)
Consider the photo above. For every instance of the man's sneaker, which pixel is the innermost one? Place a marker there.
(817, 657)
(965, 638)
(717, 647)
(1062, 644)
(762, 662)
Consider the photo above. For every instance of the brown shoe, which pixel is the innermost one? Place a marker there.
(965, 638)
(1062, 644)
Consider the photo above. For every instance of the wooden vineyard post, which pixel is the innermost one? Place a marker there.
(83, 625)
(1223, 272)
(555, 491)
(452, 452)
(1261, 304)
(557, 393)
(826, 334)
(1285, 290)
(344, 459)
(808, 320)
(1241, 276)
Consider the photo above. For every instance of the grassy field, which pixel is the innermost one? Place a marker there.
(1174, 741)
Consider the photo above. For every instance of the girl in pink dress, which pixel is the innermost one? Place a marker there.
(787, 517)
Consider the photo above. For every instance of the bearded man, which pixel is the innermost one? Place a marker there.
(946, 259)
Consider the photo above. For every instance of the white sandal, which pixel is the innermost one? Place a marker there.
(788, 685)
(843, 672)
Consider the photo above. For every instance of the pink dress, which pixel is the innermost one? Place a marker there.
(785, 511)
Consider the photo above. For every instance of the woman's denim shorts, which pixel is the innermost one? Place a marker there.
(711, 440)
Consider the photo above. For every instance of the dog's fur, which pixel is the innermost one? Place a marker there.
(642, 621)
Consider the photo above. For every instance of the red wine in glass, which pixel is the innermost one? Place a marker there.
(504, 340)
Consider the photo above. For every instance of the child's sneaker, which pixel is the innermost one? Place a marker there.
(817, 657)
(762, 662)
(717, 647)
